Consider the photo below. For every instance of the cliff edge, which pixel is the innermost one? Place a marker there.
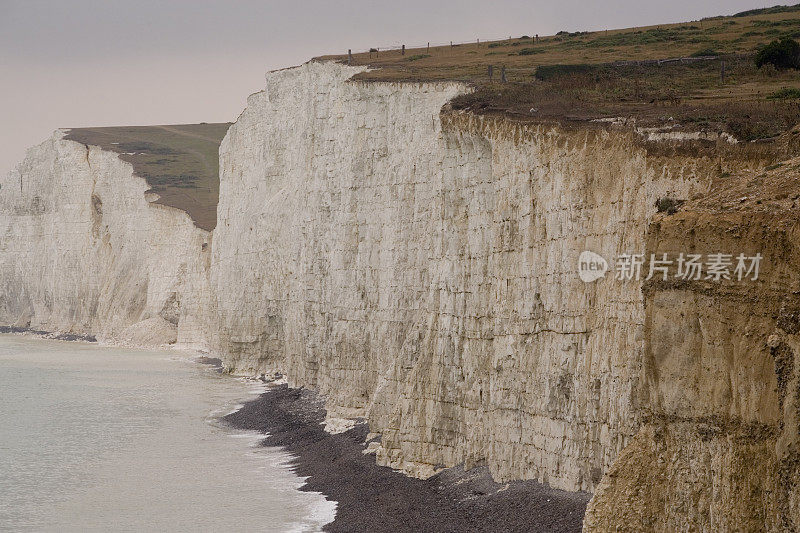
(417, 264)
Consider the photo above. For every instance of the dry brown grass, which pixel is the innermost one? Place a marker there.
(693, 93)
(469, 62)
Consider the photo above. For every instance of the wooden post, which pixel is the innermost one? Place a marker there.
(479, 42)
(451, 44)
(403, 50)
(349, 57)
(491, 72)
(503, 74)
(429, 47)
(377, 52)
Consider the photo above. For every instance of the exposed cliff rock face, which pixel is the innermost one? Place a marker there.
(718, 449)
(83, 251)
(419, 269)
(418, 266)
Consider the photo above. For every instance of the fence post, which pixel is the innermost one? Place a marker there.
(491, 71)
(451, 44)
(403, 50)
(503, 74)
(429, 47)
(349, 57)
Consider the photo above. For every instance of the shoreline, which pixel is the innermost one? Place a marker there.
(69, 337)
(129, 424)
(378, 499)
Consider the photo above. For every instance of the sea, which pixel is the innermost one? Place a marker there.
(98, 438)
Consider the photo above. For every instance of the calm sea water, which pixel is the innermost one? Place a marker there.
(96, 439)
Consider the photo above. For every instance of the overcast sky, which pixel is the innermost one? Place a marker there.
(68, 63)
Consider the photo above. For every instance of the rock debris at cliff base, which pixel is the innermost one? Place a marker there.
(377, 499)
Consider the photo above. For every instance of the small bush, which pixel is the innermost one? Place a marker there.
(417, 56)
(668, 205)
(563, 33)
(782, 54)
(530, 51)
(787, 93)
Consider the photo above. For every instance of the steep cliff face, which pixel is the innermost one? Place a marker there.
(418, 266)
(83, 251)
(718, 446)
(419, 269)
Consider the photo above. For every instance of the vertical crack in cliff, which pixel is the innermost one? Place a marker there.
(88, 159)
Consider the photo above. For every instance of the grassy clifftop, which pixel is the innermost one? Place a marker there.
(622, 72)
(179, 162)
(736, 34)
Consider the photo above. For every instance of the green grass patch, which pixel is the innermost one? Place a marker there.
(530, 51)
(180, 162)
(787, 93)
(768, 10)
(705, 52)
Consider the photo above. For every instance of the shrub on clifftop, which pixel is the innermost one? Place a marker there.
(781, 54)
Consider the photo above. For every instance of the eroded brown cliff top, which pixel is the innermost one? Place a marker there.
(774, 190)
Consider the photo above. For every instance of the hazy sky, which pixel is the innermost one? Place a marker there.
(66, 63)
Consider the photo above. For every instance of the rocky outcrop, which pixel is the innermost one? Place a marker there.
(718, 446)
(83, 251)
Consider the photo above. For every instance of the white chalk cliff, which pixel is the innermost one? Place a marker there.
(83, 251)
(415, 264)
(419, 269)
